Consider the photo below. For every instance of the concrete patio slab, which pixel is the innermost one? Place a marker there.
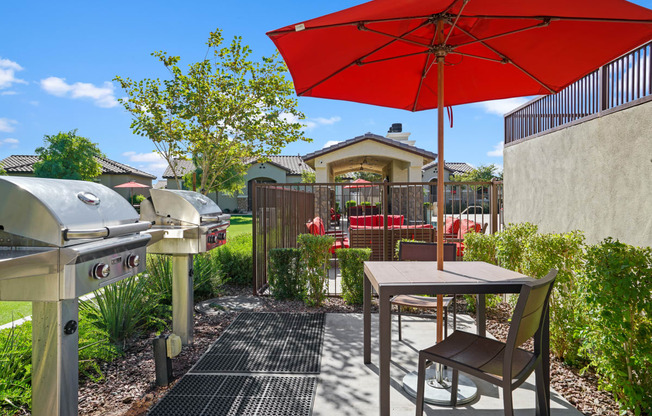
(348, 387)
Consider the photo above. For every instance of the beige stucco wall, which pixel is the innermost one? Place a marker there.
(595, 176)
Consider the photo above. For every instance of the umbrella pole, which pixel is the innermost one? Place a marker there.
(440, 189)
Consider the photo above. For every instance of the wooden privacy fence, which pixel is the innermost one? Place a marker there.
(372, 215)
(624, 81)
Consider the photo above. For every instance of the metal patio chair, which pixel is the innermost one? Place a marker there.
(489, 359)
(424, 252)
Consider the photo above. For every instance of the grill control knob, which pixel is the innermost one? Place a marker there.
(133, 260)
(101, 271)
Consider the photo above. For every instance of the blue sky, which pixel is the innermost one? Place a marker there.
(57, 60)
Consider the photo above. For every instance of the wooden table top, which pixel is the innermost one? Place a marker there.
(456, 274)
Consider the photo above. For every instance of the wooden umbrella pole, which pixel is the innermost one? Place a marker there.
(440, 189)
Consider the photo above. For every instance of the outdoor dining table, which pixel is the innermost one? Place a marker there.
(422, 277)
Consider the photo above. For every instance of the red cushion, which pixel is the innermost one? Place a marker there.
(361, 220)
(392, 220)
(316, 226)
(465, 227)
(339, 243)
(452, 225)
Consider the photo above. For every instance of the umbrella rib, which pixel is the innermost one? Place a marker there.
(507, 60)
(398, 37)
(426, 68)
(358, 61)
(407, 55)
(502, 61)
(539, 25)
(561, 18)
(450, 32)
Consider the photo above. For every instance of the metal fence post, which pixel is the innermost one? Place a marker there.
(385, 221)
(254, 222)
(493, 200)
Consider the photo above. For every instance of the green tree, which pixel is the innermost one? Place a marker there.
(308, 177)
(221, 110)
(480, 174)
(2, 171)
(232, 184)
(68, 156)
(368, 176)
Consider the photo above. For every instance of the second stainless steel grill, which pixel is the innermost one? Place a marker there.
(193, 224)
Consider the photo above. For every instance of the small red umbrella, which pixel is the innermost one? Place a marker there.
(132, 184)
(358, 183)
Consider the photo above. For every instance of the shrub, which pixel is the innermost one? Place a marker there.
(352, 267)
(284, 274)
(480, 247)
(618, 338)
(565, 253)
(351, 203)
(121, 308)
(205, 271)
(510, 245)
(136, 199)
(315, 254)
(235, 260)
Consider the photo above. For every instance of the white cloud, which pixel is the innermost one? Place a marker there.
(498, 150)
(8, 93)
(151, 162)
(500, 107)
(13, 143)
(8, 71)
(7, 125)
(311, 123)
(330, 143)
(102, 96)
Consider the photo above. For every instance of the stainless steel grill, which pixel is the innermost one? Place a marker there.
(59, 240)
(192, 224)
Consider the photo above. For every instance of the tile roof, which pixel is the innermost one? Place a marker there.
(294, 165)
(25, 164)
(454, 167)
(370, 136)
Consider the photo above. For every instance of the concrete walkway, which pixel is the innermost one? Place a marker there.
(348, 387)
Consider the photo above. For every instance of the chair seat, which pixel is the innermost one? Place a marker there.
(417, 301)
(470, 353)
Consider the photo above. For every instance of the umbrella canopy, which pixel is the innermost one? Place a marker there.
(358, 183)
(383, 52)
(132, 184)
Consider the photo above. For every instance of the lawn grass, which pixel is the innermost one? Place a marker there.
(240, 224)
(10, 311)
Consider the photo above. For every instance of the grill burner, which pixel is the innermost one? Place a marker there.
(59, 240)
(193, 224)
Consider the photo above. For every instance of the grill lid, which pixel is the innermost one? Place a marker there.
(187, 206)
(55, 210)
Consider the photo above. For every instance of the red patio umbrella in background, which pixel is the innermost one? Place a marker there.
(132, 185)
(358, 183)
(395, 53)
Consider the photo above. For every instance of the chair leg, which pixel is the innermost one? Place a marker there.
(421, 384)
(507, 399)
(445, 323)
(454, 312)
(400, 335)
(542, 402)
(454, 384)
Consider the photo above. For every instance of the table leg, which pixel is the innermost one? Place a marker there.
(480, 316)
(384, 330)
(366, 323)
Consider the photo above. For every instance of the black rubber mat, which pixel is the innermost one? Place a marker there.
(229, 395)
(288, 343)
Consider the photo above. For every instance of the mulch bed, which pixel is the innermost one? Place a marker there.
(129, 386)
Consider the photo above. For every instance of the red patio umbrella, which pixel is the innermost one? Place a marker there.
(394, 53)
(131, 185)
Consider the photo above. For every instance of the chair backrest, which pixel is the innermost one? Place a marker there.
(530, 312)
(424, 251)
(316, 226)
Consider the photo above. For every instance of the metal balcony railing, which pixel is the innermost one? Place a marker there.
(621, 82)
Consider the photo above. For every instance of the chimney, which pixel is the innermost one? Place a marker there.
(396, 133)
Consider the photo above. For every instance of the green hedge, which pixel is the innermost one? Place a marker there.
(315, 255)
(617, 338)
(352, 268)
(284, 274)
(235, 260)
